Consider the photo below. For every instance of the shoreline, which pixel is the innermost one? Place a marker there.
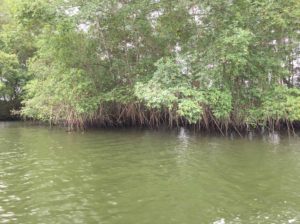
(231, 132)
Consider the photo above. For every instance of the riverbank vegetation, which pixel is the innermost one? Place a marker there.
(214, 65)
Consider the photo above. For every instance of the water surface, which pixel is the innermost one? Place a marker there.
(132, 176)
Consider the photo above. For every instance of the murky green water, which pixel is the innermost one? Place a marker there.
(128, 177)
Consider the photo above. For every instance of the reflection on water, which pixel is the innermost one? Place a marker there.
(273, 138)
(127, 176)
(221, 221)
(183, 139)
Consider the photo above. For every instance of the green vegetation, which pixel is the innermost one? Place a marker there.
(213, 65)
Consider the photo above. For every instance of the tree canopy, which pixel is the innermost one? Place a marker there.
(213, 64)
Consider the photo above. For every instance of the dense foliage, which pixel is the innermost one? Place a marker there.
(212, 64)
